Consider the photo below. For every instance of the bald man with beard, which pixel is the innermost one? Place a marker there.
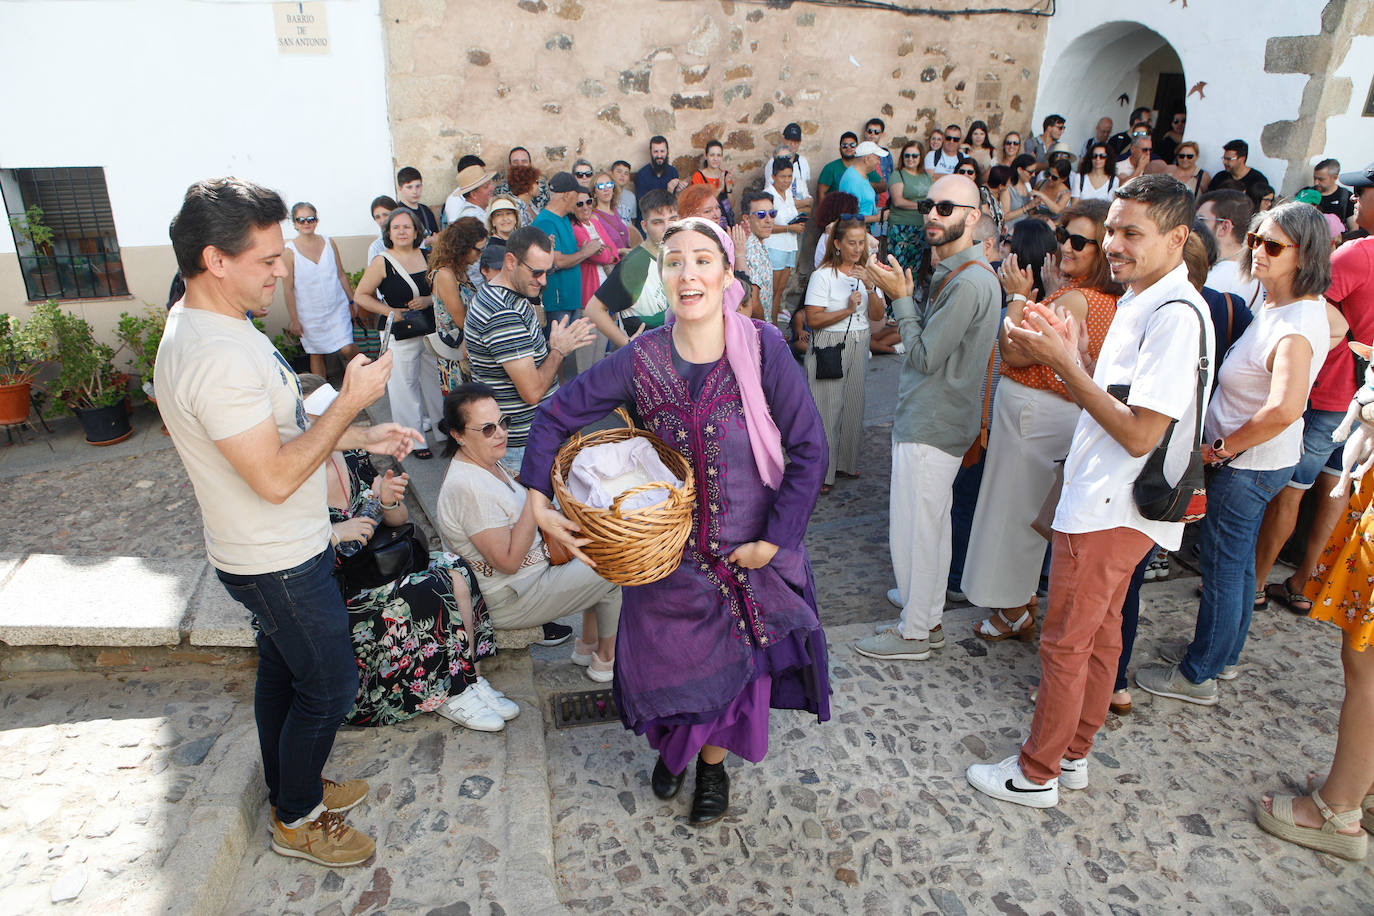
(949, 340)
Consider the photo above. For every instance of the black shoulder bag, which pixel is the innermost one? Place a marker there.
(1185, 501)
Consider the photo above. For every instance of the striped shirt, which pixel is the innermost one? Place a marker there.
(502, 326)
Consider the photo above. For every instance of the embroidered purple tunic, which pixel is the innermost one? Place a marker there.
(702, 654)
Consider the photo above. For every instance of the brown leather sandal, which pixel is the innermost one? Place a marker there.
(1022, 628)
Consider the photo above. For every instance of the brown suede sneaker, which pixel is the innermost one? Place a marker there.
(326, 840)
(341, 796)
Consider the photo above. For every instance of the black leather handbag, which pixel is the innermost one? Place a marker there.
(393, 552)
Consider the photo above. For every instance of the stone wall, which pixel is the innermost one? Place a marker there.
(597, 78)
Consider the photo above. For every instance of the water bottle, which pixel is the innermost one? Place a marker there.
(371, 508)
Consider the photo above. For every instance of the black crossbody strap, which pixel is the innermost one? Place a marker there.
(1203, 369)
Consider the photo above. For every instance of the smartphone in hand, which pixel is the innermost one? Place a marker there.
(386, 333)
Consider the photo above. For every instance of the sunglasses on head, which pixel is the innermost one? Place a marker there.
(942, 207)
(1272, 247)
(850, 217)
(307, 219)
(1078, 242)
(489, 429)
(765, 214)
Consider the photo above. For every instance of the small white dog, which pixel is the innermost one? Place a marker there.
(1358, 456)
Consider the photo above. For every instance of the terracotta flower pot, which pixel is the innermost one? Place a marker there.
(14, 403)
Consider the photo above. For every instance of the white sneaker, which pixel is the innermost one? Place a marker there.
(497, 701)
(1073, 774)
(582, 653)
(894, 598)
(899, 348)
(469, 710)
(602, 672)
(1005, 781)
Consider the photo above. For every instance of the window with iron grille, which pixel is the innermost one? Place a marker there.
(64, 233)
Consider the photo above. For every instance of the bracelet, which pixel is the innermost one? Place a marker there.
(561, 354)
(1017, 297)
(386, 508)
(333, 539)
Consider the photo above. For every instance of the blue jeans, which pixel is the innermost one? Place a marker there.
(1236, 500)
(307, 675)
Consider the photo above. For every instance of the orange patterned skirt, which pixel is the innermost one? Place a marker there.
(1342, 586)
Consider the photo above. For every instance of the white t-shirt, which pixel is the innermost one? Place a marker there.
(1153, 348)
(1224, 277)
(1081, 187)
(457, 206)
(801, 177)
(473, 500)
(781, 240)
(829, 289)
(938, 163)
(1244, 381)
(218, 376)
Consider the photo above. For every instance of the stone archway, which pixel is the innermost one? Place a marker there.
(1087, 80)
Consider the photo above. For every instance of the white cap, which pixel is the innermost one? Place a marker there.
(319, 400)
(869, 148)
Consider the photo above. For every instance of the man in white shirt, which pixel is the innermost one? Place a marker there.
(1147, 375)
(801, 169)
(475, 190)
(1227, 213)
(942, 160)
(235, 414)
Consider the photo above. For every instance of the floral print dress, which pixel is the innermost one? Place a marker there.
(1342, 586)
(408, 635)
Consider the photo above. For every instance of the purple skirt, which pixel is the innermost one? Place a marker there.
(790, 674)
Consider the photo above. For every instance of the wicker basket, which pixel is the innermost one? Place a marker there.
(638, 547)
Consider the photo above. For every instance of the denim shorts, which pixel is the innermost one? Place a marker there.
(1319, 453)
(782, 260)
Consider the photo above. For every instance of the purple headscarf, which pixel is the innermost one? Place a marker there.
(742, 350)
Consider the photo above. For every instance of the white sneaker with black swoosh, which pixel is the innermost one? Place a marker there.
(1006, 782)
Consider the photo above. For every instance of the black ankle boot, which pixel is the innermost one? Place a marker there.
(665, 783)
(712, 795)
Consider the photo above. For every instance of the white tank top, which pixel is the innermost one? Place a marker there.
(317, 286)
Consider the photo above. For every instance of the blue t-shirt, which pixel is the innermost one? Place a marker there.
(564, 293)
(851, 182)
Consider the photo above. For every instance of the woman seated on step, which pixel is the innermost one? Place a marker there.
(420, 637)
(485, 518)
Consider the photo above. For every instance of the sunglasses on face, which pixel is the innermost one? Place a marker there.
(307, 219)
(584, 203)
(489, 429)
(534, 273)
(1099, 155)
(1139, 133)
(1011, 142)
(1078, 242)
(765, 214)
(1272, 247)
(969, 172)
(942, 207)
(605, 185)
(848, 145)
(953, 138)
(911, 155)
(582, 174)
(873, 131)
(1186, 156)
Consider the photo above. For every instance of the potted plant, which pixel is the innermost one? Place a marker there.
(23, 349)
(289, 346)
(43, 268)
(140, 336)
(87, 383)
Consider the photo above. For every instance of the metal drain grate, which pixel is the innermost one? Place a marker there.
(584, 707)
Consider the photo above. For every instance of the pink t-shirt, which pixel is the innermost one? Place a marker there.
(1352, 292)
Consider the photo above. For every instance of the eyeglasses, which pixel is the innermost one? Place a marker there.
(535, 273)
(1185, 156)
(1078, 242)
(765, 214)
(952, 138)
(942, 207)
(873, 131)
(848, 145)
(489, 429)
(969, 172)
(1139, 133)
(307, 219)
(582, 174)
(911, 155)
(1099, 156)
(1011, 142)
(605, 185)
(1272, 247)
(584, 203)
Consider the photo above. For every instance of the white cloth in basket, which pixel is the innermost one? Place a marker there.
(602, 472)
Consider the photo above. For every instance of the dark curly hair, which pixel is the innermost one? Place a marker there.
(835, 203)
(521, 178)
(454, 243)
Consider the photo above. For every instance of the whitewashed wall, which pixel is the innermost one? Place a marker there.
(164, 92)
(1217, 43)
(1350, 137)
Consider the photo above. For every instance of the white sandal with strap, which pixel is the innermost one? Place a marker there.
(1327, 838)
(1023, 628)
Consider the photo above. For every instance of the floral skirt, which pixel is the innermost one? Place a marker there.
(1342, 586)
(409, 641)
(908, 245)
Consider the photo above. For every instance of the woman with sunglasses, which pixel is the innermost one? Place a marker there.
(1033, 420)
(319, 298)
(457, 248)
(906, 239)
(619, 235)
(1096, 176)
(1253, 437)
(1053, 195)
(783, 242)
(595, 269)
(487, 517)
(1011, 148)
(705, 652)
(1187, 169)
(419, 638)
(980, 145)
(1018, 197)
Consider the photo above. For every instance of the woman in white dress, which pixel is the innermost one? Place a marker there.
(319, 298)
(1096, 176)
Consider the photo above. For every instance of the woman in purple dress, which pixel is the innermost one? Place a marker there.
(704, 653)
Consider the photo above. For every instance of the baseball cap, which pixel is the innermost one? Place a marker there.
(1308, 196)
(493, 256)
(563, 182)
(792, 131)
(1360, 180)
(869, 148)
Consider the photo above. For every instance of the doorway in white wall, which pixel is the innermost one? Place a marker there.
(1107, 72)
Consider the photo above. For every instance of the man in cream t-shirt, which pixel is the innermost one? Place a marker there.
(233, 408)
